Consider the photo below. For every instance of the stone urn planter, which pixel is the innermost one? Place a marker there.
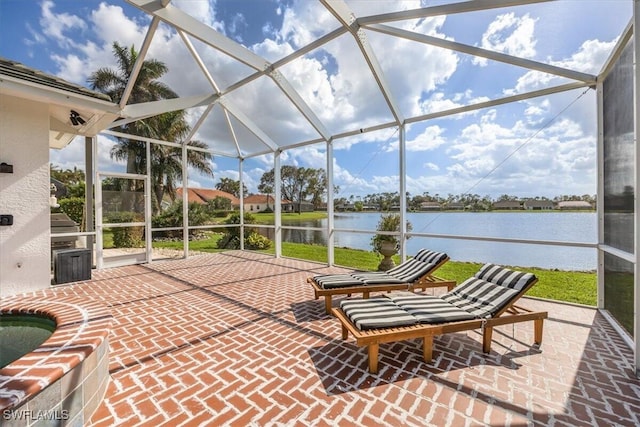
(386, 244)
(387, 250)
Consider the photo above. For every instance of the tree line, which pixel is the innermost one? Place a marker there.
(300, 185)
(391, 200)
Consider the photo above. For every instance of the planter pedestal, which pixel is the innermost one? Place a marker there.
(387, 250)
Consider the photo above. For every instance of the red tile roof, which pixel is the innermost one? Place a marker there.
(259, 198)
(203, 195)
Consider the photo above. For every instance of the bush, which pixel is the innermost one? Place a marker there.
(257, 241)
(73, 207)
(221, 214)
(234, 219)
(126, 237)
(219, 203)
(388, 222)
(252, 239)
(172, 217)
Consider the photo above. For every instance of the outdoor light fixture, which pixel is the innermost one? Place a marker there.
(75, 118)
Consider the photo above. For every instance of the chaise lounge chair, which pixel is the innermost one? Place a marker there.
(481, 302)
(415, 273)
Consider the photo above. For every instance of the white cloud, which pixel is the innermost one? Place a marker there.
(510, 34)
(56, 25)
(429, 139)
(303, 21)
(589, 59)
(353, 184)
(202, 10)
(439, 101)
(489, 157)
(109, 24)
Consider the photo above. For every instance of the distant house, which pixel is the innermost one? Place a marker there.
(300, 206)
(507, 205)
(574, 205)
(260, 203)
(538, 205)
(430, 206)
(204, 195)
(455, 206)
(346, 206)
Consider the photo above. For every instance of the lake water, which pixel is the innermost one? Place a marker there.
(549, 226)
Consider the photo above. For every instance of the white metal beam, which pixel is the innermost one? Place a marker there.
(185, 202)
(402, 173)
(331, 234)
(600, 193)
(627, 34)
(198, 123)
(277, 202)
(186, 23)
(341, 11)
(201, 31)
(214, 85)
(236, 112)
(484, 53)
(500, 101)
(139, 61)
(289, 58)
(294, 96)
(447, 9)
(134, 112)
(636, 178)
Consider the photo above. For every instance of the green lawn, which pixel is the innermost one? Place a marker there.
(269, 218)
(569, 286)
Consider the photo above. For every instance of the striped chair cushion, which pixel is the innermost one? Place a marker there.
(481, 298)
(430, 257)
(411, 270)
(429, 309)
(505, 277)
(375, 313)
(333, 281)
(377, 278)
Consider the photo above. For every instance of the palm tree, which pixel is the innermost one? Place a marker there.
(166, 161)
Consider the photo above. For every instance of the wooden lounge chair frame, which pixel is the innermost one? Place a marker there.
(372, 338)
(426, 281)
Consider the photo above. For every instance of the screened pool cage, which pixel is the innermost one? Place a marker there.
(238, 109)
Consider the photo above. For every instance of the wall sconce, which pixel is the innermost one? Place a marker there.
(75, 118)
(6, 168)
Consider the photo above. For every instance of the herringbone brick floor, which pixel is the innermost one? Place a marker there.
(237, 339)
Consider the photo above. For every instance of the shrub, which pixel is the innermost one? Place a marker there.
(252, 239)
(73, 207)
(172, 217)
(257, 242)
(387, 222)
(126, 237)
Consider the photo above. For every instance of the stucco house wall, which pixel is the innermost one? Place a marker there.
(25, 263)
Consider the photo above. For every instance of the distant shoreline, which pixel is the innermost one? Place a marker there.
(490, 211)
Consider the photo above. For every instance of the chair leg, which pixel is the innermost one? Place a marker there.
(345, 332)
(327, 304)
(537, 327)
(373, 358)
(427, 348)
(486, 339)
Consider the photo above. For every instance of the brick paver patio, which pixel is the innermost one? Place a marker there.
(237, 339)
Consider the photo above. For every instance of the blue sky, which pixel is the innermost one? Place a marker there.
(544, 146)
